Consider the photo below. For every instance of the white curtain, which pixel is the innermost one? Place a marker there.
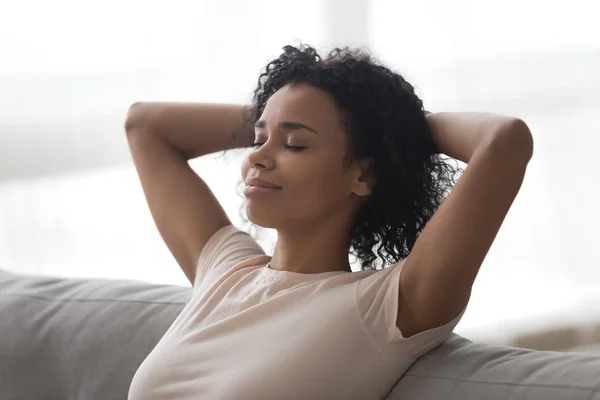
(70, 200)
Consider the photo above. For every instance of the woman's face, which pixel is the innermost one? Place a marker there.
(300, 147)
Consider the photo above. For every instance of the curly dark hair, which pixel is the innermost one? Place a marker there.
(384, 119)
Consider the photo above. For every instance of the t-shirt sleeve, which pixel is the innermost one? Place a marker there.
(225, 249)
(377, 300)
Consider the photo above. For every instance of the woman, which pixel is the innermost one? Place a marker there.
(345, 159)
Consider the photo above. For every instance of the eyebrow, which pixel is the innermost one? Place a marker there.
(286, 125)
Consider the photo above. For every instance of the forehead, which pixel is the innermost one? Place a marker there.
(303, 103)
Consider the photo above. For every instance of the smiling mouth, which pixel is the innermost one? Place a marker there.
(252, 191)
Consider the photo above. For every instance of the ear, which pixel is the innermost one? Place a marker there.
(364, 178)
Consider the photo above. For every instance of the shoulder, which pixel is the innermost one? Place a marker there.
(228, 247)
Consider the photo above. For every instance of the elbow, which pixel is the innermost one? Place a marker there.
(516, 138)
(136, 119)
(524, 136)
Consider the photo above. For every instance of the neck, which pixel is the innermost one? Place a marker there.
(319, 249)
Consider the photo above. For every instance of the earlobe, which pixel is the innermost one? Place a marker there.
(362, 191)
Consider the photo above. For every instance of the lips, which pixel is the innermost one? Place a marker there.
(261, 183)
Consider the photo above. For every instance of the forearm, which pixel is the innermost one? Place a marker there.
(460, 134)
(194, 129)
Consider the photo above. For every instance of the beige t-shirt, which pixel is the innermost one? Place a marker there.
(252, 332)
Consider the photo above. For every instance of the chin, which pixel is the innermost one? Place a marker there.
(260, 216)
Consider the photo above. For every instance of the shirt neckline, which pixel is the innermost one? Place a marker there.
(297, 276)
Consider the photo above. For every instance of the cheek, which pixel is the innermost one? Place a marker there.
(331, 172)
(317, 179)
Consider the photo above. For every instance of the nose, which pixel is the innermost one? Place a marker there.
(260, 158)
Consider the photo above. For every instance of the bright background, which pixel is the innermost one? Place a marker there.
(70, 200)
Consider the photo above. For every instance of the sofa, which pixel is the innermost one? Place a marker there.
(67, 338)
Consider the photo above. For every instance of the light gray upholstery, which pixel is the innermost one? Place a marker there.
(84, 339)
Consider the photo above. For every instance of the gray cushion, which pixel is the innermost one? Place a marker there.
(462, 370)
(84, 339)
(78, 338)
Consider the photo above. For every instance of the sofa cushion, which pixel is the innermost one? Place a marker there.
(79, 338)
(66, 338)
(462, 370)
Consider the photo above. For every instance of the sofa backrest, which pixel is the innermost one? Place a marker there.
(79, 338)
(67, 338)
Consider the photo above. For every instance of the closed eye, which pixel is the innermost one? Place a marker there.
(292, 148)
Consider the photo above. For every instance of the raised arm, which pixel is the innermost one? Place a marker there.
(195, 129)
(162, 138)
(437, 277)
